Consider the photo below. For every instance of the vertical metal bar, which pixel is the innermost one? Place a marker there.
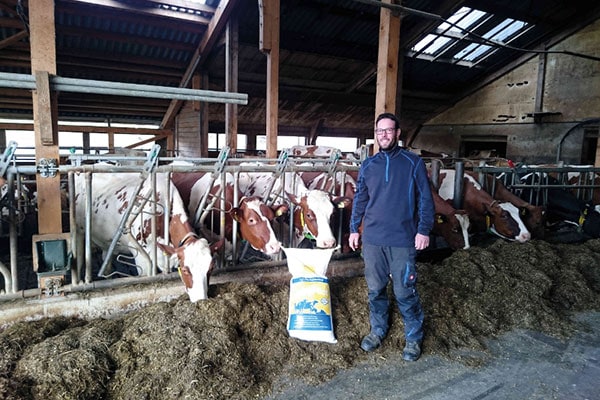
(12, 232)
(153, 197)
(458, 185)
(75, 267)
(236, 202)
(88, 227)
(435, 174)
(168, 196)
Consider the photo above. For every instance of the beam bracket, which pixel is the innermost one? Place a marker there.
(47, 167)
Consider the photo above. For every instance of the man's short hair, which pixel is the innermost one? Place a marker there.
(388, 116)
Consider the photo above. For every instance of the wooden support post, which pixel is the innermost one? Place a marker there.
(387, 62)
(269, 44)
(231, 81)
(203, 115)
(45, 111)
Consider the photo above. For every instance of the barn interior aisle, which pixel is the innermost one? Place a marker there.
(235, 344)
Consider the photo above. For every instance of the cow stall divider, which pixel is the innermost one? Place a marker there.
(584, 189)
(80, 273)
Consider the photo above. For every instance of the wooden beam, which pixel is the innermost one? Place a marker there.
(145, 10)
(315, 131)
(271, 21)
(231, 82)
(13, 39)
(44, 125)
(387, 62)
(43, 63)
(213, 32)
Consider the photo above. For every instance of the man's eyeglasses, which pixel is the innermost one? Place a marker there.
(381, 132)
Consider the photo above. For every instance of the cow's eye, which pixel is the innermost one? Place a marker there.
(251, 221)
(310, 215)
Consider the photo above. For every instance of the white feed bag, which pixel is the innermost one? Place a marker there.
(310, 301)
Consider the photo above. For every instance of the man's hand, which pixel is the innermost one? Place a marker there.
(353, 240)
(421, 241)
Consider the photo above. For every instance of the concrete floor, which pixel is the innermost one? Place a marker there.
(523, 365)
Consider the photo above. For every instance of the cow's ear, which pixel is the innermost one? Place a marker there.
(342, 202)
(235, 214)
(216, 246)
(280, 209)
(292, 198)
(440, 218)
(170, 250)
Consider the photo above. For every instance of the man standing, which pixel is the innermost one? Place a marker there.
(394, 204)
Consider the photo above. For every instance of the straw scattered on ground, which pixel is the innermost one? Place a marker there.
(235, 345)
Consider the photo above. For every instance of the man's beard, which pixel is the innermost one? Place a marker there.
(392, 145)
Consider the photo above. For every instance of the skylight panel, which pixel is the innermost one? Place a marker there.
(465, 25)
(436, 45)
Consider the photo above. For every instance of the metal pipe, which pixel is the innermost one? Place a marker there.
(88, 227)
(75, 268)
(458, 185)
(10, 181)
(153, 199)
(24, 81)
(435, 173)
(8, 286)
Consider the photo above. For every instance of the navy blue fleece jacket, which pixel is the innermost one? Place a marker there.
(392, 199)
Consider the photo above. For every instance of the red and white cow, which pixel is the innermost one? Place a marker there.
(485, 213)
(312, 151)
(340, 221)
(111, 194)
(533, 216)
(313, 209)
(578, 179)
(450, 223)
(252, 214)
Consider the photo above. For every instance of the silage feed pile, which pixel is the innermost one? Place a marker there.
(235, 345)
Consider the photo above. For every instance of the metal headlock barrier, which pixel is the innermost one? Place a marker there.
(152, 165)
(149, 168)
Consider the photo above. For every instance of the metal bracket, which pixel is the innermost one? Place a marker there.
(151, 160)
(47, 167)
(281, 162)
(221, 160)
(333, 160)
(7, 157)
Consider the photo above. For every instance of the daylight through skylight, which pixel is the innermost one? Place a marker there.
(468, 36)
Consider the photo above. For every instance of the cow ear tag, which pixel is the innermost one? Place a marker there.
(438, 219)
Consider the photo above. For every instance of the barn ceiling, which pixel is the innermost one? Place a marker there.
(328, 55)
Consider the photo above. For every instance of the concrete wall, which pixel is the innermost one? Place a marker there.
(503, 108)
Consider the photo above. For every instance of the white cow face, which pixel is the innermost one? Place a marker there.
(196, 262)
(312, 217)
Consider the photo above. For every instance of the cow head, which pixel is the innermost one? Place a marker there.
(194, 257)
(590, 221)
(504, 221)
(312, 216)
(534, 218)
(255, 217)
(454, 228)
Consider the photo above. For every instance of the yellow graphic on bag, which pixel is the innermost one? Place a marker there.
(310, 302)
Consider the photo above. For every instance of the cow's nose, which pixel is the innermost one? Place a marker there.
(272, 248)
(523, 237)
(327, 244)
